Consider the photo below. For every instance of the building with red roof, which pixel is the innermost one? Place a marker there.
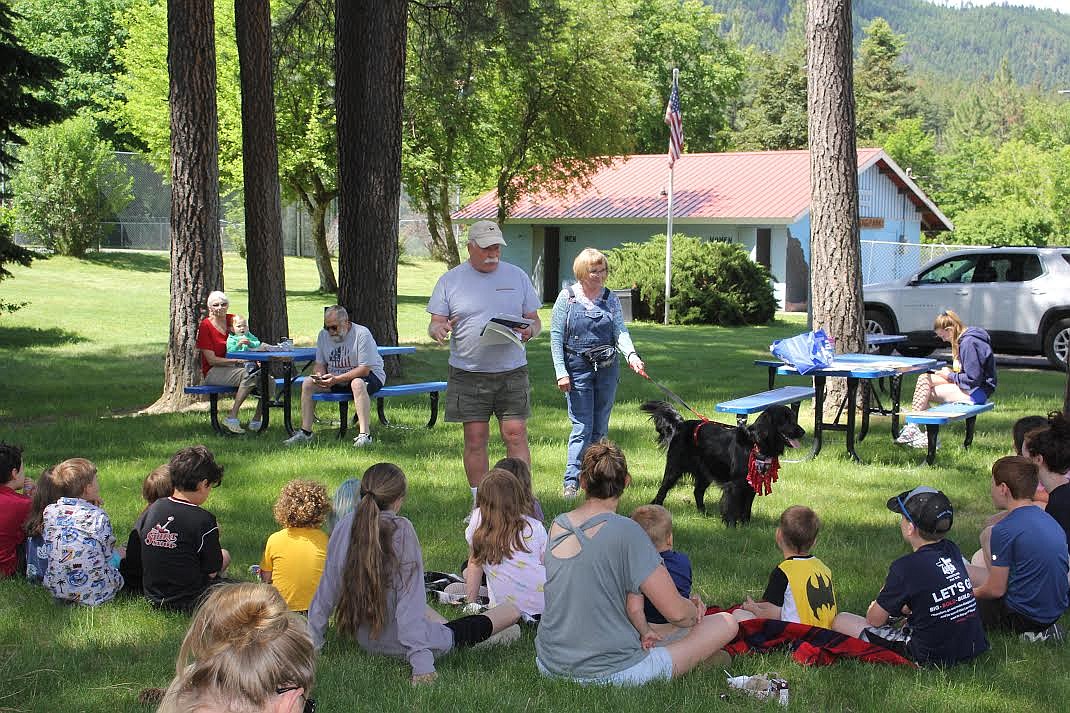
(758, 199)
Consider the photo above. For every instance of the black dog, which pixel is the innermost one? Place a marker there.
(717, 453)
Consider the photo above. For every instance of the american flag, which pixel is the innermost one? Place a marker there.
(675, 122)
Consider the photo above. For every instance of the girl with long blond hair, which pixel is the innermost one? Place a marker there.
(971, 378)
(245, 652)
(506, 544)
(373, 582)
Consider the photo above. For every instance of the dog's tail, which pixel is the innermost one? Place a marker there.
(667, 421)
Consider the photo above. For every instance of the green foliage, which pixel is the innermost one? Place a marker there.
(81, 35)
(882, 90)
(774, 116)
(68, 182)
(1009, 223)
(712, 282)
(912, 148)
(670, 33)
(11, 253)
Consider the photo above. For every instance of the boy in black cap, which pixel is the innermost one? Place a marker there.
(930, 586)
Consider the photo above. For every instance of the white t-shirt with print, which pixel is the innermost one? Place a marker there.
(518, 580)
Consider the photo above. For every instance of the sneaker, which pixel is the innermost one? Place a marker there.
(506, 636)
(908, 434)
(1053, 634)
(922, 441)
(299, 436)
(570, 491)
(254, 425)
(233, 425)
(362, 440)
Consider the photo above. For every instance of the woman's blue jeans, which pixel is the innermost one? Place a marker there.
(590, 402)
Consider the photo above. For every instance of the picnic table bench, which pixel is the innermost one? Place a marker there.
(432, 388)
(755, 403)
(942, 415)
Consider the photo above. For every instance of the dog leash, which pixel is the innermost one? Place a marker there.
(665, 390)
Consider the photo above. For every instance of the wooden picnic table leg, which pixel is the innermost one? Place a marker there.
(852, 403)
(819, 415)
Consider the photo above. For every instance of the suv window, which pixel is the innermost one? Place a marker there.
(955, 270)
(1008, 268)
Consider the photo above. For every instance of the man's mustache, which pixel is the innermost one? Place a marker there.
(490, 261)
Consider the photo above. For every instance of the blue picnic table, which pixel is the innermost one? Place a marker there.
(855, 368)
(288, 357)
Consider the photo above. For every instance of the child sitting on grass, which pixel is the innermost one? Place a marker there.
(506, 544)
(1049, 449)
(374, 575)
(652, 626)
(522, 471)
(44, 494)
(800, 588)
(180, 552)
(344, 501)
(294, 556)
(14, 508)
(82, 557)
(156, 485)
(931, 586)
(1021, 581)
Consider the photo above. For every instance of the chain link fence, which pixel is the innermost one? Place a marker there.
(144, 224)
(883, 261)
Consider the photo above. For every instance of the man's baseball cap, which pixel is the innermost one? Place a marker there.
(926, 508)
(485, 233)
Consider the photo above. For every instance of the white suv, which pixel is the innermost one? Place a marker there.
(1020, 296)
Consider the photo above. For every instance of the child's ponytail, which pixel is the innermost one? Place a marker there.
(371, 562)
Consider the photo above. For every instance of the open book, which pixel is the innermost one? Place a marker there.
(499, 330)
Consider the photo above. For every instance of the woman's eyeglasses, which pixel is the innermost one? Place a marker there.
(310, 703)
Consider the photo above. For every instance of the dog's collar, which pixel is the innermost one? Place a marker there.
(761, 471)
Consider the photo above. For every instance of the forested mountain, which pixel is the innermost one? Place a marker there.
(948, 42)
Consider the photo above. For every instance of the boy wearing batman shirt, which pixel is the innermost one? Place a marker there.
(931, 586)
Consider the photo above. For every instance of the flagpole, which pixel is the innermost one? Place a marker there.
(668, 250)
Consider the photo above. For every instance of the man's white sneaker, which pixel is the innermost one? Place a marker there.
(233, 425)
(299, 436)
(362, 440)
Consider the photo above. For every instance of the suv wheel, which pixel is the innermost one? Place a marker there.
(914, 351)
(1057, 343)
(877, 322)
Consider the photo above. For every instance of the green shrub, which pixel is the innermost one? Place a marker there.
(1013, 223)
(67, 183)
(712, 282)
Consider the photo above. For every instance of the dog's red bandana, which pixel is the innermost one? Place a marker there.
(761, 472)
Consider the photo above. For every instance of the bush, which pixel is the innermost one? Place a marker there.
(67, 183)
(1010, 224)
(712, 282)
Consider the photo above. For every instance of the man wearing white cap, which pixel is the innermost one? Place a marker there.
(485, 379)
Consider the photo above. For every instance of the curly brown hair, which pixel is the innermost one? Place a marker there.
(302, 503)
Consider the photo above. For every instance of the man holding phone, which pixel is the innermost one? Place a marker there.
(347, 360)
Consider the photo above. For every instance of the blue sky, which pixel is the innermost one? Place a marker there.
(1060, 5)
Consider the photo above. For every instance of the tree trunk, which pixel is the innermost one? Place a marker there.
(835, 248)
(196, 252)
(328, 283)
(369, 85)
(260, 163)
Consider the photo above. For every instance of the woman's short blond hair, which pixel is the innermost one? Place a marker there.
(243, 644)
(588, 257)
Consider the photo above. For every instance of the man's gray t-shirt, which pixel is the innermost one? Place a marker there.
(470, 298)
(357, 348)
(585, 632)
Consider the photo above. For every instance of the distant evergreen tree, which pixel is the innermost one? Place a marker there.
(882, 89)
(23, 77)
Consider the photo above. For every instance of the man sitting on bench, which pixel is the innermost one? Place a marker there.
(347, 360)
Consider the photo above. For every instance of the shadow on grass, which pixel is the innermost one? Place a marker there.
(30, 337)
(136, 262)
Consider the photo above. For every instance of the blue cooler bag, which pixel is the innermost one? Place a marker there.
(806, 352)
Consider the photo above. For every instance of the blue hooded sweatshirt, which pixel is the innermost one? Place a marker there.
(978, 375)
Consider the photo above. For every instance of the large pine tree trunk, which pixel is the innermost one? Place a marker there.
(196, 254)
(328, 282)
(260, 163)
(834, 241)
(369, 84)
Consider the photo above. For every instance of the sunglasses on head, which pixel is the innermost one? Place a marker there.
(906, 513)
(310, 703)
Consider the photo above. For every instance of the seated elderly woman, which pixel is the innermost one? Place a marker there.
(596, 558)
(216, 368)
(245, 651)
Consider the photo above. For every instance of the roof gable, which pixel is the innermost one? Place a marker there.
(749, 186)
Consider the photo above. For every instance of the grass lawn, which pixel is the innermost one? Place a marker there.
(88, 351)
